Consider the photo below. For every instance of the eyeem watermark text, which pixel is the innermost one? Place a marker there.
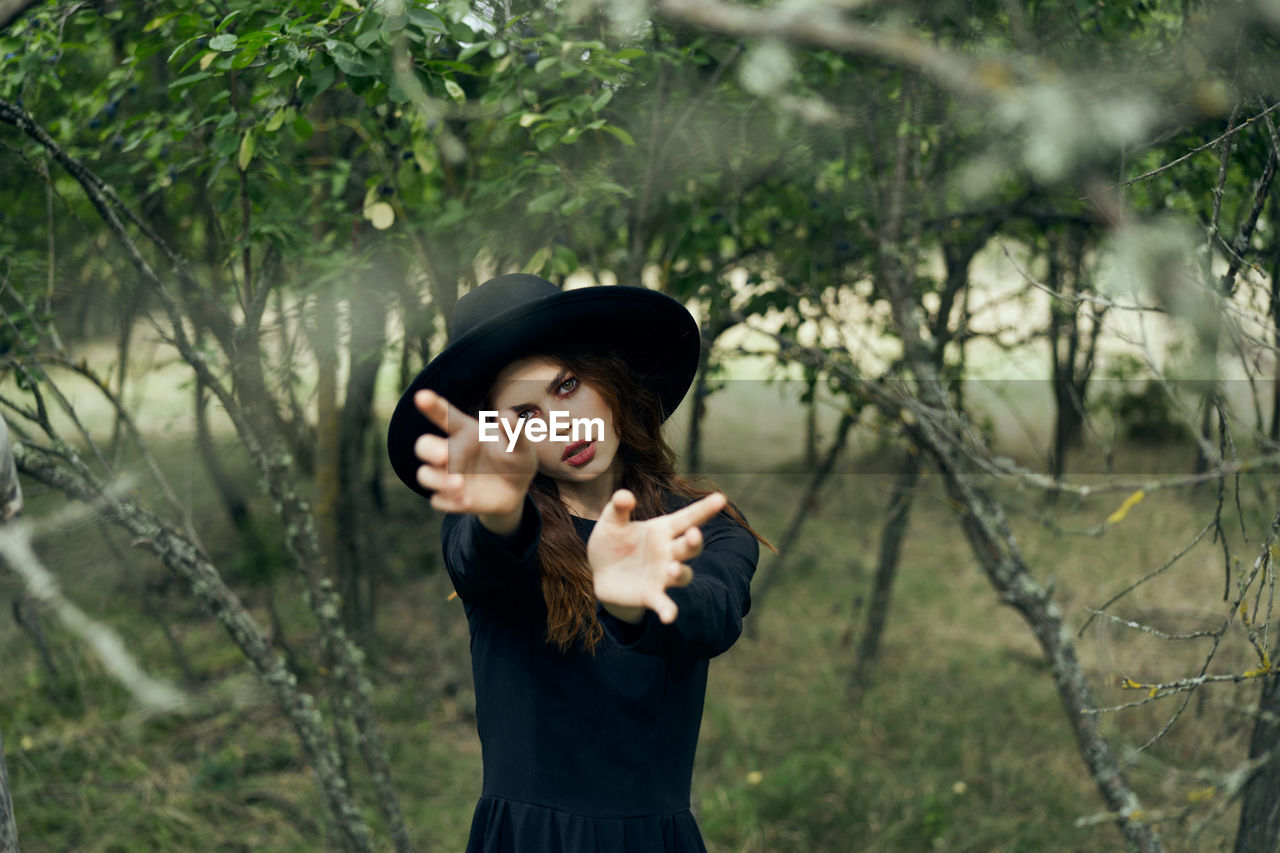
(560, 427)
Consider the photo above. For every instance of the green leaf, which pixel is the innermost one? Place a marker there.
(159, 21)
(573, 205)
(244, 58)
(189, 79)
(226, 144)
(546, 202)
(454, 212)
(179, 48)
(472, 50)
(422, 156)
(224, 43)
(599, 103)
(302, 128)
(546, 136)
(455, 91)
(620, 133)
(226, 22)
(247, 145)
(428, 21)
(610, 187)
(320, 77)
(352, 62)
(538, 261)
(545, 63)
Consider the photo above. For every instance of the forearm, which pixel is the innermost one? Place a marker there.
(480, 559)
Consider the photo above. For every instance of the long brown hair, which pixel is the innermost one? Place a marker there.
(648, 471)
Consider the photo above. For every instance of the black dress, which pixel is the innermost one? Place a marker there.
(582, 753)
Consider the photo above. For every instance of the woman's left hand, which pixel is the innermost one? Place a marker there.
(633, 562)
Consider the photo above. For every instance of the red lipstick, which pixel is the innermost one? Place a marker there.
(579, 453)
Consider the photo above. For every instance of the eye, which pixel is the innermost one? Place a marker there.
(567, 387)
(525, 414)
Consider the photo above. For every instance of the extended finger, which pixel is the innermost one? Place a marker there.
(450, 502)
(437, 479)
(679, 575)
(688, 545)
(699, 511)
(618, 509)
(440, 411)
(666, 609)
(432, 449)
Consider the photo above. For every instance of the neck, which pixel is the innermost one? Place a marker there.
(588, 499)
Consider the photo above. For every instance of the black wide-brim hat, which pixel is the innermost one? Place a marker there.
(514, 316)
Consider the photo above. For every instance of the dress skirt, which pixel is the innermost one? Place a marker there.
(508, 826)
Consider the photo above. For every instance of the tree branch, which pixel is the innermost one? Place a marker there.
(804, 24)
(10, 10)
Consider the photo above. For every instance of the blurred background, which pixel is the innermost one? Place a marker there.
(990, 314)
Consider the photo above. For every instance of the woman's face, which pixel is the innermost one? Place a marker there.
(535, 387)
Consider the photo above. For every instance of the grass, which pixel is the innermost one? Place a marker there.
(959, 744)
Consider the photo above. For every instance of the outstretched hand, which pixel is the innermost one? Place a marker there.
(468, 475)
(634, 562)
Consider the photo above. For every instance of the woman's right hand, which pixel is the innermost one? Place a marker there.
(468, 475)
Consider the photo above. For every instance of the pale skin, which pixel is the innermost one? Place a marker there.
(633, 562)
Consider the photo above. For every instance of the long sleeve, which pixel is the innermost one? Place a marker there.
(709, 610)
(480, 561)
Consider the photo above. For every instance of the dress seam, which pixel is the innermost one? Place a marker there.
(579, 814)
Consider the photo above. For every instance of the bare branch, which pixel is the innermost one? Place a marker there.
(822, 27)
(1194, 151)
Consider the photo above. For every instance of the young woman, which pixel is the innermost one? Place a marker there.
(597, 583)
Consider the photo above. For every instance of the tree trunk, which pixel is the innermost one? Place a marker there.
(328, 483)
(128, 308)
(8, 829)
(1071, 358)
(232, 496)
(357, 561)
(803, 510)
(811, 423)
(693, 446)
(1275, 322)
(1259, 830)
(891, 536)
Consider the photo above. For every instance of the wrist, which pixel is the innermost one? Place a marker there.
(503, 523)
(630, 615)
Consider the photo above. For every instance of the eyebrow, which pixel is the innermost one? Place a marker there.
(558, 381)
(551, 387)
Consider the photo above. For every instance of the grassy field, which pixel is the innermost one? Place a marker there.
(960, 744)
